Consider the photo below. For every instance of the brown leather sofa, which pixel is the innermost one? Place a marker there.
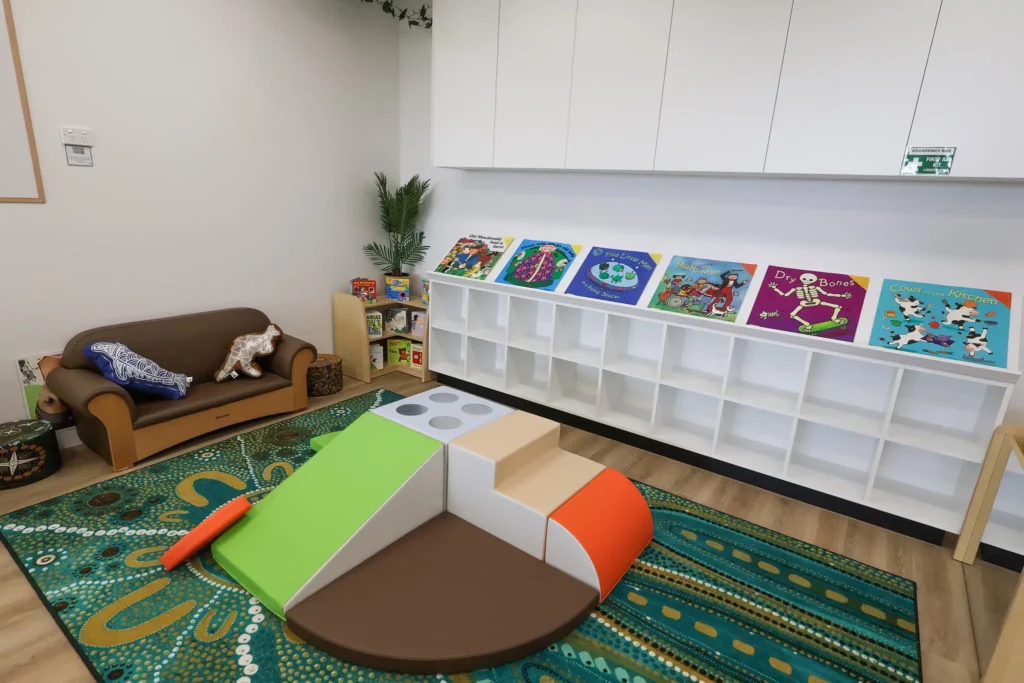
(125, 427)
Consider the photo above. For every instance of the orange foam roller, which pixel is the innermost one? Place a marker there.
(598, 533)
(205, 533)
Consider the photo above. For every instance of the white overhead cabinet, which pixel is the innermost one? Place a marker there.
(850, 81)
(724, 59)
(617, 78)
(464, 64)
(973, 91)
(535, 46)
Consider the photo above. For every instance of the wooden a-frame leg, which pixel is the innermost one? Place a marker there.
(984, 496)
(117, 420)
(1008, 659)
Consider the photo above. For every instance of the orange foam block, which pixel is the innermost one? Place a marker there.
(205, 533)
(598, 533)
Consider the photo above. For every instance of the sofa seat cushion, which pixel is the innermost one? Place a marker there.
(153, 410)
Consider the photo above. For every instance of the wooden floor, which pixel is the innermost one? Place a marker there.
(961, 607)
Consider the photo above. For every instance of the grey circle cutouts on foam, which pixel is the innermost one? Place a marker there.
(445, 422)
(444, 398)
(476, 409)
(411, 409)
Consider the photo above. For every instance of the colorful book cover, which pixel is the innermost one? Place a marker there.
(365, 289)
(375, 324)
(417, 354)
(376, 357)
(474, 256)
(703, 287)
(399, 351)
(396, 321)
(810, 302)
(614, 275)
(958, 323)
(539, 265)
(418, 326)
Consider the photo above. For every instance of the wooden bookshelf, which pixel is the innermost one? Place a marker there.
(352, 340)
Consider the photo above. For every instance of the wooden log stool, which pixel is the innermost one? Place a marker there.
(324, 376)
(28, 452)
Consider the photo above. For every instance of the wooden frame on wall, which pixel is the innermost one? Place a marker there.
(29, 132)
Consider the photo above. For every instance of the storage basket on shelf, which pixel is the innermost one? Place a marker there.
(324, 376)
(28, 452)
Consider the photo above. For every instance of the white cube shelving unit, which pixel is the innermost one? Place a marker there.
(901, 433)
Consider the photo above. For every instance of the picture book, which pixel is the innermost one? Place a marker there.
(417, 354)
(375, 324)
(376, 357)
(474, 256)
(810, 302)
(399, 351)
(396, 288)
(396, 321)
(539, 265)
(614, 275)
(365, 289)
(425, 296)
(957, 323)
(703, 287)
(418, 324)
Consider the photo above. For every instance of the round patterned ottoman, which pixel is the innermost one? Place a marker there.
(324, 375)
(28, 452)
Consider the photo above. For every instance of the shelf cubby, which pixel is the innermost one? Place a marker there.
(574, 387)
(626, 401)
(695, 360)
(447, 307)
(765, 375)
(488, 315)
(945, 414)
(447, 352)
(530, 323)
(849, 394)
(527, 374)
(753, 438)
(686, 419)
(633, 346)
(485, 362)
(924, 486)
(579, 335)
(832, 460)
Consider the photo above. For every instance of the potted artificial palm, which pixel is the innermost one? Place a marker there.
(399, 211)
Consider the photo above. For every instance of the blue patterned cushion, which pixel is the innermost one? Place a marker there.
(123, 366)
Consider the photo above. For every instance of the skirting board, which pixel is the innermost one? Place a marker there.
(900, 525)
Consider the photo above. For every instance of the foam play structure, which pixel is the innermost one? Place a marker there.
(439, 534)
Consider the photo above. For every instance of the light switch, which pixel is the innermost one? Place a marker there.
(75, 135)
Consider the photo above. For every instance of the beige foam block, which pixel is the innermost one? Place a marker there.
(551, 479)
(510, 441)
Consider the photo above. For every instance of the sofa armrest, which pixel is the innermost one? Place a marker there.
(77, 387)
(287, 349)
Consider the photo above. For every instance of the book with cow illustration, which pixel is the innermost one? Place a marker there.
(943, 321)
(703, 287)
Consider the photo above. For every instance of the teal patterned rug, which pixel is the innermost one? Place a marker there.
(713, 598)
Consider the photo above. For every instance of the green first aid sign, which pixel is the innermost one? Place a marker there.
(928, 161)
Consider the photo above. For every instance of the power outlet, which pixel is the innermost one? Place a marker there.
(80, 137)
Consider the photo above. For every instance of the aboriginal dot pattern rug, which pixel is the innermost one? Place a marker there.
(713, 598)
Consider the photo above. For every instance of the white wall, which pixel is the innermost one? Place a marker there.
(966, 234)
(236, 141)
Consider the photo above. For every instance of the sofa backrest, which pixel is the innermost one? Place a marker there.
(194, 345)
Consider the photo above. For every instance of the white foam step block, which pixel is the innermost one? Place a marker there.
(443, 413)
(564, 552)
(417, 501)
(472, 497)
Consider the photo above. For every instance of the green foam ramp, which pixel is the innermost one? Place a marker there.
(318, 443)
(289, 535)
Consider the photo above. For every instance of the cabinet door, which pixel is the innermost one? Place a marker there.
(850, 81)
(535, 40)
(724, 60)
(973, 90)
(464, 71)
(617, 78)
